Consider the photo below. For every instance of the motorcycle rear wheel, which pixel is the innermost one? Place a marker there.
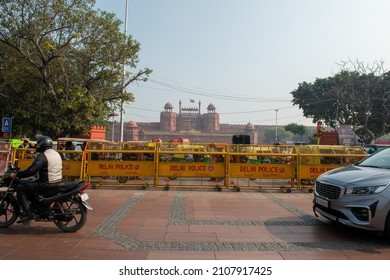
(9, 212)
(70, 214)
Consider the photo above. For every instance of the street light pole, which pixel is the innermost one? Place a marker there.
(123, 80)
(113, 115)
(113, 131)
(276, 126)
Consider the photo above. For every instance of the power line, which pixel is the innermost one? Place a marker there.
(256, 111)
(173, 86)
(212, 94)
(229, 113)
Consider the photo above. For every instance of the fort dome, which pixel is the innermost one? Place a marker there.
(211, 107)
(132, 124)
(168, 106)
(249, 126)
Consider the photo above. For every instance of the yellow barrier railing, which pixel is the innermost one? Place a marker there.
(178, 163)
(317, 159)
(72, 162)
(143, 164)
(262, 167)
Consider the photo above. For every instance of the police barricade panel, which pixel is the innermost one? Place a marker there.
(23, 153)
(262, 166)
(113, 163)
(191, 165)
(72, 164)
(317, 159)
(23, 157)
(233, 166)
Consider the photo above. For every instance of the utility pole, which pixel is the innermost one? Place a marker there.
(123, 81)
(276, 126)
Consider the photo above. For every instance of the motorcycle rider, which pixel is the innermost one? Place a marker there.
(48, 166)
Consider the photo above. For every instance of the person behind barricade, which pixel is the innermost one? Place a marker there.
(25, 144)
(68, 147)
(95, 155)
(48, 166)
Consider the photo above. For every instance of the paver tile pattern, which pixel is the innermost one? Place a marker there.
(154, 224)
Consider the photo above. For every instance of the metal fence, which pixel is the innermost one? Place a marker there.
(214, 166)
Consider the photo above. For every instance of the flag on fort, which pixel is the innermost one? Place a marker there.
(192, 100)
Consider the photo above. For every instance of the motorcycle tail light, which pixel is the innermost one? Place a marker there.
(85, 186)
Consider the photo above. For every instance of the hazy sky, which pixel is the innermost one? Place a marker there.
(246, 56)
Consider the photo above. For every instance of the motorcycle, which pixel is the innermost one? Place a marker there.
(66, 205)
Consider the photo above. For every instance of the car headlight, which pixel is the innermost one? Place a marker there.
(365, 190)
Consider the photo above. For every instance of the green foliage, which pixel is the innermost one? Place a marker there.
(61, 65)
(353, 97)
(270, 135)
(296, 129)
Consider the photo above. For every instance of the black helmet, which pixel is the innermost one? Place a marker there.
(44, 143)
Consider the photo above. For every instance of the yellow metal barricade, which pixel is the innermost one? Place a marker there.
(120, 164)
(317, 159)
(211, 165)
(191, 165)
(23, 157)
(72, 164)
(262, 167)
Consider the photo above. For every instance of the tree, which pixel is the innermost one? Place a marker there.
(296, 129)
(358, 97)
(62, 65)
(270, 135)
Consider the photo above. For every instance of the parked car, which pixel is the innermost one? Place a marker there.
(357, 195)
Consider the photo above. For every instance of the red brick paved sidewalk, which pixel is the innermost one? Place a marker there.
(195, 224)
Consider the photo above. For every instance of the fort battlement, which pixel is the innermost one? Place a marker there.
(189, 123)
